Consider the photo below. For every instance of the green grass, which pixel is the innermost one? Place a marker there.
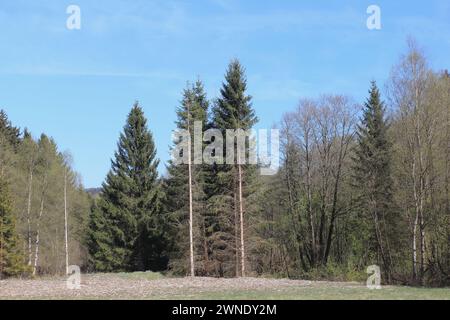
(318, 291)
(305, 293)
(148, 275)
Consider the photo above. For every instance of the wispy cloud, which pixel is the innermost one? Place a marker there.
(157, 18)
(44, 70)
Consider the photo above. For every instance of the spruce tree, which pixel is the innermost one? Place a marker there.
(193, 107)
(232, 110)
(11, 133)
(11, 257)
(372, 176)
(99, 240)
(127, 226)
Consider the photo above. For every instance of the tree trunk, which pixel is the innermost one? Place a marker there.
(236, 233)
(30, 189)
(422, 247)
(414, 247)
(416, 218)
(241, 218)
(191, 232)
(309, 208)
(292, 211)
(38, 231)
(65, 223)
(379, 236)
(333, 212)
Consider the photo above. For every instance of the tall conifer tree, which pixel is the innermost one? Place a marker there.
(233, 110)
(127, 227)
(193, 108)
(372, 175)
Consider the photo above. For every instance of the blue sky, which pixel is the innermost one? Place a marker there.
(78, 85)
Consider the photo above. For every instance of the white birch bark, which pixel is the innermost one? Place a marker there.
(30, 190)
(38, 231)
(65, 223)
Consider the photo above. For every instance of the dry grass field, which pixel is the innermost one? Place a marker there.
(154, 286)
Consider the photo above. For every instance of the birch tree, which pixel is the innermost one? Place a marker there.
(66, 164)
(408, 89)
(28, 154)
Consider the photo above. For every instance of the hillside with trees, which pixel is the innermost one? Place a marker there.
(359, 185)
